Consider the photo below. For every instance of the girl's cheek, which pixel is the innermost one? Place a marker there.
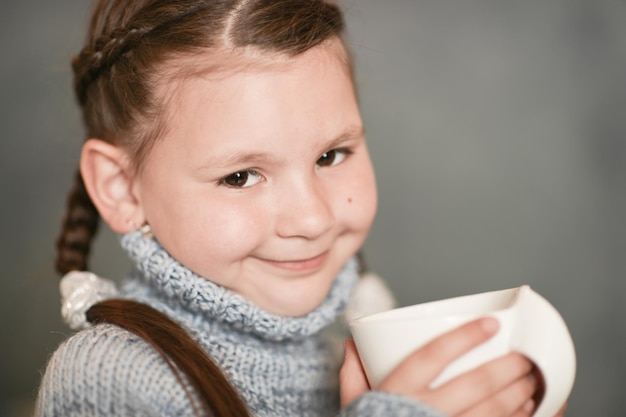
(362, 194)
(240, 226)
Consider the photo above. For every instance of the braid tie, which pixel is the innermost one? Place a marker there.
(79, 227)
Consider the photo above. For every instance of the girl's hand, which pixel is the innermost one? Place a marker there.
(352, 379)
(503, 387)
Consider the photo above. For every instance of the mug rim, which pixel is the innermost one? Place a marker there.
(422, 312)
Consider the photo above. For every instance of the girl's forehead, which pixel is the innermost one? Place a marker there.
(219, 68)
(263, 104)
(220, 63)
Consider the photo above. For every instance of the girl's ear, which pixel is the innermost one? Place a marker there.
(108, 179)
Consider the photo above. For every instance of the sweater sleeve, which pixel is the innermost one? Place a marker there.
(108, 371)
(379, 404)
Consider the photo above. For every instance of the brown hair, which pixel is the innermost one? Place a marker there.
(129, 43)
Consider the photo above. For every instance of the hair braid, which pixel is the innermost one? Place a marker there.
(79, 227)
(188, 361)
(102, 53)
(93, 60)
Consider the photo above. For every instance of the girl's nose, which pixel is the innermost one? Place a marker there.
(305, 211)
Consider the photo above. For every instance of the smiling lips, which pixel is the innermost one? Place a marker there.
(304, 265)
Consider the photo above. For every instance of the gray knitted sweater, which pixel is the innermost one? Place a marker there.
(281, 366)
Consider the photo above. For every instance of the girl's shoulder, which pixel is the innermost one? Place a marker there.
(107, 351)
(106, 370)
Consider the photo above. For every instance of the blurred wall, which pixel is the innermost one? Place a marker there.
(496, 129)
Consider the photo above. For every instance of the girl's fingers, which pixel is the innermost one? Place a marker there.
(503, 387)
(416, 372)
(527, 409)
(352, 379)
(514, 400)
(494, 381)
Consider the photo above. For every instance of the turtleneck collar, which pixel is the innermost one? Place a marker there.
(176, 284)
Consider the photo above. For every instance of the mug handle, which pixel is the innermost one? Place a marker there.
(549, 346)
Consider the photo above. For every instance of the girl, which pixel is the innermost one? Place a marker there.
(226, 148)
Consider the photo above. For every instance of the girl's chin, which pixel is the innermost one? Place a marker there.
(295, 304)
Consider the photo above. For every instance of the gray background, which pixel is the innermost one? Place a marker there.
(496, 129)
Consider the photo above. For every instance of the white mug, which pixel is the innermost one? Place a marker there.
(529, 324)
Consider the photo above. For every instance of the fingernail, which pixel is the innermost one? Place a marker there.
(489, 324)
(529, 406)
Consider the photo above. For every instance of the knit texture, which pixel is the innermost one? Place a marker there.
(281, 366)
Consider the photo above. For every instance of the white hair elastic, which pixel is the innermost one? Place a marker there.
(79, 291)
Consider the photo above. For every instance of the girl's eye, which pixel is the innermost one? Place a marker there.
(332, 157)
(241, 179)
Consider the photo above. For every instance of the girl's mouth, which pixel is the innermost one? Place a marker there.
(300, 265)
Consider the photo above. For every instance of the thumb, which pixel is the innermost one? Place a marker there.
(352, 379)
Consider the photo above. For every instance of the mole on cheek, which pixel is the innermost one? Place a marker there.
(349, 199)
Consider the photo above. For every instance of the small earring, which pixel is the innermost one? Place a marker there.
(146, 230)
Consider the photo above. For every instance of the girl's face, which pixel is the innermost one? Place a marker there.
(263, 182)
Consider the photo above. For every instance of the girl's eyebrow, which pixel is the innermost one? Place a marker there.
(259, 158)
(236, 159)
(351, 134)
